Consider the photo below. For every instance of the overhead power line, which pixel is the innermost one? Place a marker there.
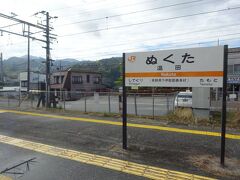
(170, 44)
(10, 25)
(21, 21)
(153, 21)
(226, 26)
(133, 12)
(22, 35)
(115, 7)
(111, 54)
(69, 7)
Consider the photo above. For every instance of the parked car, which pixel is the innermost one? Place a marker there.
(183, 99)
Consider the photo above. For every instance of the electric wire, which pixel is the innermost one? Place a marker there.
(133, 12)
(152, 21)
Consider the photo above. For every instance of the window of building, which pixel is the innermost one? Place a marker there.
(76, 79)
(62, 77)
(230, 69)
(236, 68)
(97, 80)
(88, 78)
(24, 83)
(56, 80)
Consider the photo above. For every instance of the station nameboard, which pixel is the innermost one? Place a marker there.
(195, 67)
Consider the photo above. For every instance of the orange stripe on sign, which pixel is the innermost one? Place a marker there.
(176, 74)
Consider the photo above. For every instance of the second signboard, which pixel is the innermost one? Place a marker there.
(195, 67)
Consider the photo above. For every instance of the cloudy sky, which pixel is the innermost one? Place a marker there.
(95, 29)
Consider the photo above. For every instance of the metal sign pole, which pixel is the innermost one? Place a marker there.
(124, 111)
(224, 105)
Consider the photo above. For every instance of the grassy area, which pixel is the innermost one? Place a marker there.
(211, 164)
(185, 116)
(182, 116)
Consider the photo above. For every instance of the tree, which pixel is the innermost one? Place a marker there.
(118, 82)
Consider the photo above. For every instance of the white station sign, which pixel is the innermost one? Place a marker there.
(195, 67)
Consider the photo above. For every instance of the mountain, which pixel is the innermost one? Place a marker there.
(14, 65)
(108, 67)
(68, 60)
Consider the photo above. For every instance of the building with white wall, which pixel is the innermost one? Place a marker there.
(35, 80)
(234, 70)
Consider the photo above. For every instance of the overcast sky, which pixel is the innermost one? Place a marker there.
(95, 29)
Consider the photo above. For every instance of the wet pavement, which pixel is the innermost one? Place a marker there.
(50, 167)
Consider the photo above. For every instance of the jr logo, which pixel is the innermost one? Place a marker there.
(132, 58)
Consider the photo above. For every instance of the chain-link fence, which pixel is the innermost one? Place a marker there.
(233, 100)
(139, 104)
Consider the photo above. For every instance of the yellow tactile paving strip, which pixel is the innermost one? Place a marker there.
(101, 161)
(143, 126)
(5, 178)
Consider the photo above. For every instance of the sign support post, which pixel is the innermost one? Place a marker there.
(224, 105)
(204, 67)
(124, 110)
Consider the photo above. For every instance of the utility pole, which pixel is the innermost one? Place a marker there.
(44, 28)
(47, 61)
(28, 63)
(2, 78)
(61, 79)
